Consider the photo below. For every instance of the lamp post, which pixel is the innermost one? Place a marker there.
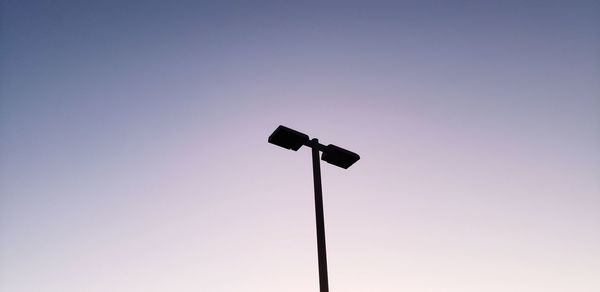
(293, 140)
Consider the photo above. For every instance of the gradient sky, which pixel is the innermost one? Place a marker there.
(134, 154)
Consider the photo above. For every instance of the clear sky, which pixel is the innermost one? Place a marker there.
(134, 154)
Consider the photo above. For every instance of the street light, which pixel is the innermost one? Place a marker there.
(293, 140)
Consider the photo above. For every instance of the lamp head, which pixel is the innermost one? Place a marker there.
(288, 138)
(339, 156)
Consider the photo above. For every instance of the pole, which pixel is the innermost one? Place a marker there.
(323, 282)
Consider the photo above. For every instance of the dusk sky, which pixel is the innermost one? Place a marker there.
(134, 154)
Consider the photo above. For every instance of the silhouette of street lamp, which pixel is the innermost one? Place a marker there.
(293, 140)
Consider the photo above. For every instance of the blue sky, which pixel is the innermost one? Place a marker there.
(133, 153)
